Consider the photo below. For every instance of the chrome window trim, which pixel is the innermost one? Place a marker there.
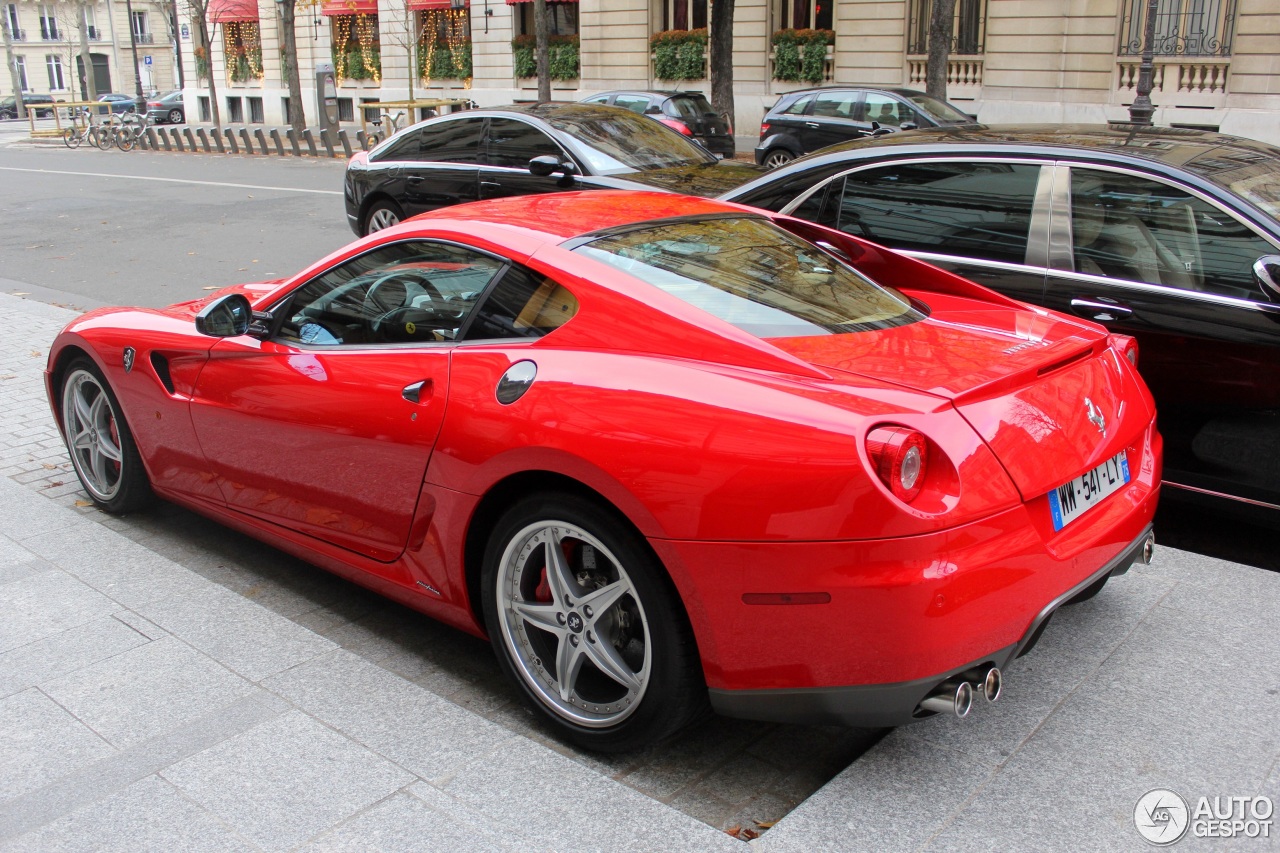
(1166, 290)
(934, 257)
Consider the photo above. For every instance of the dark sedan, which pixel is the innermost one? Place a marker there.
(525, 150)
(1168, 235)
(809, 119)
(689, 113)
(41, 105)
(119, 104)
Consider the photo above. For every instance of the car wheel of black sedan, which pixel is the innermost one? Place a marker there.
(174, 116)
(383, 214)
(778, 157)
(584, 619)
(102, 448)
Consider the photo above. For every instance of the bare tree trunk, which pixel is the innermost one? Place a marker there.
(20, 108)
(722, 60)
(935, 75)
(90, 81)
(297, 115)
(543, 49)
(200, 7)
(175, 32)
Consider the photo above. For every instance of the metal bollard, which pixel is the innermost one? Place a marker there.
(293, 141)
(248, 143)
(346, 143)
(310, 140)
(191, 140)
(177, 140)
(204, 139)
(150, 137)
(165, 140)
(326, 141)
(231, 141)
(217, 142)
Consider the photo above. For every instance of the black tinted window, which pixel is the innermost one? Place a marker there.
(456, 141)
(513, 144)
(976, 210)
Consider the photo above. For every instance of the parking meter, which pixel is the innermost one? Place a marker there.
(326, 97)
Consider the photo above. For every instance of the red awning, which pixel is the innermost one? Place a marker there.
(432, 5)
(349, 7)
(226, 11)
(514, 2)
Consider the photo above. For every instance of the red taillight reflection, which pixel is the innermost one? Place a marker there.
(677, 125)
(899, 455)
(764, 128)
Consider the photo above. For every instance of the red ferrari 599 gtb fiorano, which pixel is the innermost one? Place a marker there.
(666, 453)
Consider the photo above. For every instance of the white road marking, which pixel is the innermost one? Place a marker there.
(170, 180)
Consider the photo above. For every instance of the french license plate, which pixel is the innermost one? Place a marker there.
(1073, 499)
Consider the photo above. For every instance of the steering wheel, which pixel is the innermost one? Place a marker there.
(393, 293)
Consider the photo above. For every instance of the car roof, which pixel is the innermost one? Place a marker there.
(1200, 152)
(896, 90)
(556, 217)
(666, 93)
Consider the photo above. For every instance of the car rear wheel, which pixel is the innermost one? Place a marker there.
(586, 622)
(383, 214)
(778, 157)
(101, 446)
(174, 116)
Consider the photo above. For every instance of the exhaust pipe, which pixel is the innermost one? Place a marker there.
(987, 680)
(1148, 549)
(950, 697)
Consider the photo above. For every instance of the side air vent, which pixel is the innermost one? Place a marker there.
(161, 366)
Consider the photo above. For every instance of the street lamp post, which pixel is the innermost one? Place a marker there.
(133, 45)
(1141, 110)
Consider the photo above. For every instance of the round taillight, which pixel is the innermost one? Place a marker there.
(899, 455)
(1125, 345)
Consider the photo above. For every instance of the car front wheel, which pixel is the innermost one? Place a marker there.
(101, 446)
(586, 622)
(383, 214)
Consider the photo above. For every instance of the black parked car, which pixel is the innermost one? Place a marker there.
(1168, 235)
(809, 119)
(9, 105)
(167, 109)
(689, 113)
(521, 150)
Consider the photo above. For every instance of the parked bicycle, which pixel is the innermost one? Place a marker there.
(395, 123)
(130, 130)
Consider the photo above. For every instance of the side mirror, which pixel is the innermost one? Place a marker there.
(545, 165)
(1267, 270)
(225, 317)
(908, 125)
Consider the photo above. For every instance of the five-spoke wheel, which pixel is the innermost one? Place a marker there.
(383, 214)
(583, 617)
(778, 157)
(101, 446)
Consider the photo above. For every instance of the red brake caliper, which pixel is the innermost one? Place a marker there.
(542, 594)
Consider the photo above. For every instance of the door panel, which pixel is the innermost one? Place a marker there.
(509, 146)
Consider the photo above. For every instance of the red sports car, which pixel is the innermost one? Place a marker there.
(666, 453)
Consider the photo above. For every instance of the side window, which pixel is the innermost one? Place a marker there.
(972, 210)
(456, 141)
(835, 104)
(885, 110)
(635, 103)
(799, 107)
(513, 144)
(598, 99)
(1125, 226)
(522, 305)
(413, 291)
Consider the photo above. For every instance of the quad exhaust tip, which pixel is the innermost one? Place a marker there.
(1148, 549)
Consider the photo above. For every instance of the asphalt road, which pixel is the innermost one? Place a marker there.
(86, 228)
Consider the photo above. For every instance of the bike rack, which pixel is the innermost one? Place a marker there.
(275, 137)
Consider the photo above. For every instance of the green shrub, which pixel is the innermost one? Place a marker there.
(446, 63)
(562, 53)
(679, 54)
(801, 55)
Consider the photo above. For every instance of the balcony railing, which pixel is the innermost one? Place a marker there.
(963, 72)
(49, 32)
(144, 38)
(1203, 28)
(1181, 77)
(18, 35)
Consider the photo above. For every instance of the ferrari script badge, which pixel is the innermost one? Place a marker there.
(129, 355)
(1095, 415)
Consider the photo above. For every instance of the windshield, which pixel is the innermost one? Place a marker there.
(752, 274)
(940, 110)
(615, 141)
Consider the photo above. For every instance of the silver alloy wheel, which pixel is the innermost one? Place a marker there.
(382, 217)
(175, 116)
(777, 157)
(93, 436)
(573, 624)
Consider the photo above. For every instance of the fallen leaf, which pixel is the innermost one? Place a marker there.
(21, 293)
(50, 467)
(241, 269)
(35, 353)
(766, 824)
(55, 484)
(190, 253)
(749, 835)
(210, 287)
(83, 503)
(734, 831)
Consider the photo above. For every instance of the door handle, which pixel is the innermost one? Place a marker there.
(415, 179)
(812, 124)
(488, 188)
(1102, 311)
(415, 392)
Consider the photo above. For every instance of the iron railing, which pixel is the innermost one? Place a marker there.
(1183, 27)
(968, 27)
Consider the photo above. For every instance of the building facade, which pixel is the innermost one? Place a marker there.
(1217, 61)
(44, 47)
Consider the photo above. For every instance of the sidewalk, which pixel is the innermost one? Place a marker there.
(144, 706)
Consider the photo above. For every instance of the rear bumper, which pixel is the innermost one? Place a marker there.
(894, 704)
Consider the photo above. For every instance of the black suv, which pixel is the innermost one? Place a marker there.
(809, 119)
(689, 113)
(9, 106)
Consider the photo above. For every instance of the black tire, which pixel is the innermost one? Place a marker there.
(1090, 591)
(125, 139)
(640, 633)
(101, 445)
(94, 135)
(778, 157)
(383, 213)
(71, 138)
(175, 116)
